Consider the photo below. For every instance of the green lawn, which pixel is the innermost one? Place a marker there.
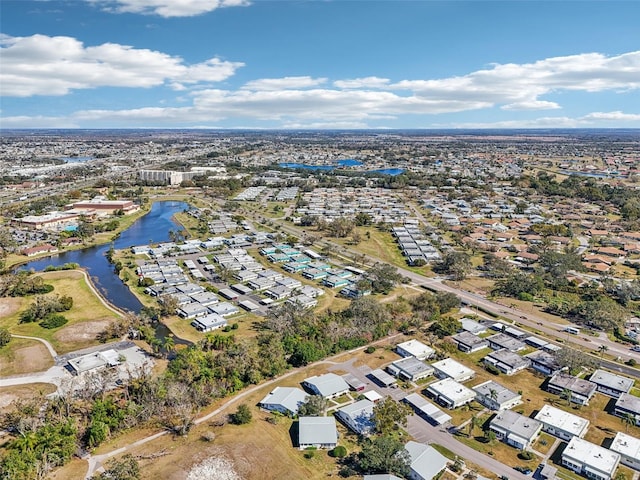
(86, 318)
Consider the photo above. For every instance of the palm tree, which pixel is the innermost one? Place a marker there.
(169, 345)
(474, 422)
(602, 349)
(628, 419)
(493, 394)
(567, 394)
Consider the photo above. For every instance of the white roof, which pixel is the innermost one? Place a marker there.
(426, 461)
(328, 384)
(591, 455)
(562, 420)
(428, 408)
(452, 390)
(453, 369)
(288, 397)
(611, 380)
(416, 348)
(372, 396)
(626, 445)
(317, 430)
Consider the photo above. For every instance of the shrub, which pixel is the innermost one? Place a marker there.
(5, 337)
(525, 455)
(53, 321)
(242, 416)
(631, 362)
(492, 369)
(234, 326)
(310, 452)
(370, 349)
(339, 452)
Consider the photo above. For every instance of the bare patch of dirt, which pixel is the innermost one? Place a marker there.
(27, 359)
(33, 359)
(84, 332)
(9, 306)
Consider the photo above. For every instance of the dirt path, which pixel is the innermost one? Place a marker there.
(52, 351)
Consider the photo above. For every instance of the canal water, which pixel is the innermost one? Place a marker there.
(153, 227)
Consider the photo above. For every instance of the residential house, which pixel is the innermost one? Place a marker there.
(580, 390)
(410, 368)
(449, 368)
(414, 348)
(468, 342)
(450, 394)
(515, 429)
(544, 362)
(561, 424)
(610, 383)
(317, 432)
(426, 461)
(590, 460)
(328, 385)
(286, 400)
(628, 448)
(496, 397)
(502, 340)
(628, 404)
(507, 362)
(358, 417)
(209, 322)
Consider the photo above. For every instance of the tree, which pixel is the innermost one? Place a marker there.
(242, 416)
(5, 337)
(474, 422)
(445, 326)
(567, 394)
(388, 413)
(573, 360)
(383, 277)
(384, 454)
(628, 419)
(454, 263)
(168, 305)
(363, 219)
(126, 468)
(314, 406)
(602, 349)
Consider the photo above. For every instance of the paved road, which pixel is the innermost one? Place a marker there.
(529, 319)
(424, 432)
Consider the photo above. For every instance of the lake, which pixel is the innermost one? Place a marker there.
(153, 227)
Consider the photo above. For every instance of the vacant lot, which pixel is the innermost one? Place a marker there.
(87, 315)
(24, 355)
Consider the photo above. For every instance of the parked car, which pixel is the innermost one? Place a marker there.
(524, 470)
(635, 348)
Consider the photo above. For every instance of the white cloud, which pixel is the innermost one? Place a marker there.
(42, 65)
(167, 8)
(519, 86)
(615, 116)
(284, 83)
(367, 82)
(531, 105)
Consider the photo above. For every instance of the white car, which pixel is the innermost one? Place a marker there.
(635, 348)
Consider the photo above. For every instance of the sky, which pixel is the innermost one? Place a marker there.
(319, 64)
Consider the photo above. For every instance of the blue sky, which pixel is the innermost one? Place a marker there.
(319, 64)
